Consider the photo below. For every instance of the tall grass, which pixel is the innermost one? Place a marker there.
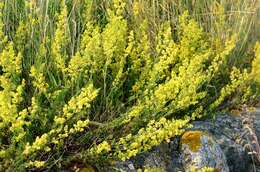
(218, 18)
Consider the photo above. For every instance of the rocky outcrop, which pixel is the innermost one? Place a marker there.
(199, 149)
(256, 114)
(227, 144)
(227, 131)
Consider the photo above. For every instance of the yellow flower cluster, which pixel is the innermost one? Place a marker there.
(80, 102)
(73, 111)
(34, 108)
(18, 124)
(140, 56)
(21, 36)
(168, 55)
(168, 88)
(192, 40)
(36, 164)
(204, 169)
(220, 56)
(61, 39)
(114, 43)
(79, 126)
(238, 79)
(146, 138)
(40, 143)
(121, 64)
(102, 147)
(11, 62)
(39, 81)
(76, 106)
(119, 6)
(66, 124)
(11, 95)
(90, 54)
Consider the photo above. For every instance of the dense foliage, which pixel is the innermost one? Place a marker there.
(97, 81)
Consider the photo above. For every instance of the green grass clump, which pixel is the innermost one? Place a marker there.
(103, 80)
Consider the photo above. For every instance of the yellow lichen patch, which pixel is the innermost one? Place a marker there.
(251, 109)
(235, 112)
(88, 168)
(192, 139)
(204, 169)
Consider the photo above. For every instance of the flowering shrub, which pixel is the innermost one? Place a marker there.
(76, 85)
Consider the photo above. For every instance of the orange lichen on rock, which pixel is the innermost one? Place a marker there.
(192, 139)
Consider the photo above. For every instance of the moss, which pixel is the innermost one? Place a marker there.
(192, 139)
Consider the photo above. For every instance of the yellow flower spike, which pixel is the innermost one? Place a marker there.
(61, 39)
(39, 81)
(39, 143)
(37, 164)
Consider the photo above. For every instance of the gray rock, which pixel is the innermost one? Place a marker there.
(199, 150)
(257, 122)
(221, 146)
(227, 131)
(165, 157)
(121, 166)
(159, 157)
(155, 160)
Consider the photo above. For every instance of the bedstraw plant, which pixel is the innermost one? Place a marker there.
(98, 81)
